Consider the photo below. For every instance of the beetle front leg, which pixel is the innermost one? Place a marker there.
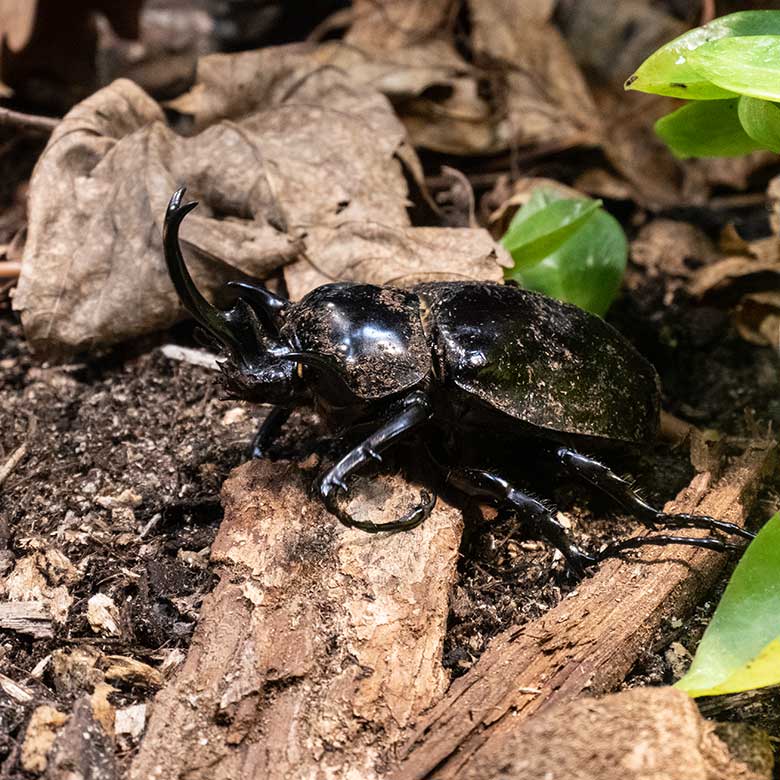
(603, 478)
(416, 410)
(483, 484)
(268, 432)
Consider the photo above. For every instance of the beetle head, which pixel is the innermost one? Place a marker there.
(257, 366)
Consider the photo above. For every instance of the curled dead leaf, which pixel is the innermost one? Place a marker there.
(726, 281)
(287, 154)
(668, 248)
(380, 254)
(546, 100)
(758, 318)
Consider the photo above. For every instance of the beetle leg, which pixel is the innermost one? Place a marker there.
(601, 477)
(483, 484)
(416, 410)
(268, 431)
(708, 542)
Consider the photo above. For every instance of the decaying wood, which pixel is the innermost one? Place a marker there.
(586, 644)
(82, 749)
(318, 645)
(32, 618)
(639, 734)
(16, 691)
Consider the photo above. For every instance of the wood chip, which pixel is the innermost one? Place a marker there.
(319, 644)
(32, 618)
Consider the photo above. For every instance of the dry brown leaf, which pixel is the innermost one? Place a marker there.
(300, 147)
(726, 281)
(612, 37)
(381, 254)
(758, 318)
(630, 144)
(435, 91)
(546, 99)
(734, 172)
(397, 24)
(668, 248)
(287, 153)
(600, 183)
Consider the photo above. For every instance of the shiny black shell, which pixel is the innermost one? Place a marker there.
(372, 336)
(502, 358)
(551, 366)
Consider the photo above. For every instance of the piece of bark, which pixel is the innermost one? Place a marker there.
(32, 618)
(639, 734)
(82, 750)
(588, 642)
(318, 645)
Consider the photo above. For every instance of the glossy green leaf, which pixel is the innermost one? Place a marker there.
(674, 70)
(587, 269)
(543, 224)
(740, 649)
(708, 128)
(761, 121)
(747, 66)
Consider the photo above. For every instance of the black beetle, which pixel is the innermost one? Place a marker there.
(483, 368)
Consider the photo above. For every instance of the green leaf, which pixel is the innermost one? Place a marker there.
(586, 270)
(748, 66)
(740, 649)
(708, 128)
(761, 120)
(543, 224)
(672, 69)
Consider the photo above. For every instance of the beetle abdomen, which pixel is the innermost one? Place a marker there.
(548, 364)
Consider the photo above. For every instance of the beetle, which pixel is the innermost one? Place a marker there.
(477, 369)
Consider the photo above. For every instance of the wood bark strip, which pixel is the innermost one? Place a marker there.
(318, 645)
(638, 734)
(27, 617)
(588, 643)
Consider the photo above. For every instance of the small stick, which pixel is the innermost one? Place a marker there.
(32, 123)
(10, 269)
(16, 457)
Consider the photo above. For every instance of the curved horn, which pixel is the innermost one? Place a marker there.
(211, 318)
(263, 299)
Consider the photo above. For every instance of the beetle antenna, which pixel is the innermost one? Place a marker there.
(210, 317)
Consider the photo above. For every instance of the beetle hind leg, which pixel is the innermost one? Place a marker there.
(415, 411)
(707, 542)
(483, 484)
(605, 480)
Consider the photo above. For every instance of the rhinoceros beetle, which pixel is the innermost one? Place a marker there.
(479, 369)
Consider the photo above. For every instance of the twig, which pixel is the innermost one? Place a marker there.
(16, 457)
(32, 123)
(10, 269)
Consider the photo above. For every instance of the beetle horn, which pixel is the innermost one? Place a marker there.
(262, 299)
(210, 317)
